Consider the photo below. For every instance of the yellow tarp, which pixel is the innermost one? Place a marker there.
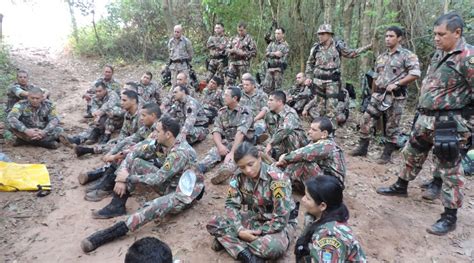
(23, 177)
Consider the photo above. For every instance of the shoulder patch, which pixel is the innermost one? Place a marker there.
(329, 242)
(277, 189)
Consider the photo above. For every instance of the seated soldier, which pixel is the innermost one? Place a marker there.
(19, 90)
(149, 250)
(299, 94)
(230, 128)
(321, 157)
(256, 101)
(264, 231)
(190, 114)
(168, 101)
(34, 121)
(148, 90)
(177, 181)
(131, 124)
(212, 98)
(108, 80)
(284, 126)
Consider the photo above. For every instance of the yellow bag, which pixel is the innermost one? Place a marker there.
(24, 177)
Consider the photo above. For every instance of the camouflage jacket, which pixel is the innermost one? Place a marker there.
(255, 102)
(281, 125)
(298, 92)
(112, 84)
(324, 62)
(268, 199)
(212, 99)
(217, 46)
(180, 49)
(274, 61)
(148, 93)
(140, 135)
(13, 94)
(131, 123)
(228, 122)
(326, 153)
(394, 67)
(23, 116)
(109, 104)
(193, 114)
(245, 44)
(175, 160)
(334, 242)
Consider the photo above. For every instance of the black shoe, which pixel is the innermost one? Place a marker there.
(114, 209)
(106, 182)
(104, 139)
(247, 257)
(81, 150)
(92, 175)
(397, 189)
(433, 191)
(69, 141)
(94, 136)
(362, 149)
(388, 149)
(216, 245)
(445, 224)
(102, 237)
(427, 184)
(46, 144)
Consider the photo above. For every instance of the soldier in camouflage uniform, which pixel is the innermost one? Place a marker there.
(169, 101)
(299, 94)
(276, 59)
(396, 68)
(190, 114)
(177, 181)
(284, 126)
(256, 101)
(446, 93)
(180, 54)
(147, 90)
(35, 121)
(321, 157)
(230, 128)
(212, 98)
(19, 90)
(241, 49)
(265, 229)
(217, 61)
(108, 80)
(329, 238)
(323, 68)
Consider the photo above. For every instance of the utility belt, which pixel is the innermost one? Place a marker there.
(218, 57)
(400, 92)
(179, 60)
(280, 65)
(336, 76)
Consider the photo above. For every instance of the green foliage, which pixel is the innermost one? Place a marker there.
(7, 75)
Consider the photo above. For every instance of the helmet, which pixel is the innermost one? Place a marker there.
(325, 28)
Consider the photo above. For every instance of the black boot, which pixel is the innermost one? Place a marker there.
(104, 139)
(106, 182)
(362, 149)
(94, 136)
(397, 189)
(102, 237)
(247, 257)
(69, 141)
(81, 150)
(103, 189)
(388, 149)
(88, 114)
(92, 175)
(445, 224)
(216, 245)
(427, 184)
(433, 191)
(114, 209)
(46, 144)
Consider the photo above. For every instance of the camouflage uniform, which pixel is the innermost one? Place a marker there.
(23, 116)
(446, 87)
(181, 54)
(217, 58)
(269, 203)
(112, 85)
(301, 95)
(192, 118)
(148, 93)
(334, 242)
(275, 66)
(227, 123)
(239, 65)
(13, 95)
(285, 130)
(390, 68)
(212, 101)
(255, 103)
(128, 142)
(323, 157)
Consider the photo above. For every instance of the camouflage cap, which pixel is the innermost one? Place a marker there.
(325, 28)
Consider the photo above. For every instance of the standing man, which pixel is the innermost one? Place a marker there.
(181, 53)
(276, 58)
(442, 125)
(109, 82)
(323, 68)
(241, 49)
(396, 68)
(19, 90)
(217, 61)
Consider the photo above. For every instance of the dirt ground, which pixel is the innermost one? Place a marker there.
(50, 229)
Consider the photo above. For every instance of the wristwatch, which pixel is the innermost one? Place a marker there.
(397, 83)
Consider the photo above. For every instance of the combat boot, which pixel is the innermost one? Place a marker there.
(223, 174)
(104, 139)
(433, 191)
(102, 237)
(216, 245)
(46, 144)
(114, 209)
(247, 257)
(397, 189)
(362, 149)
(81, 150)
(445, 224)
(107, 181)
(88, 114)
(202, 168)
(69, 141)
(388, 149)
(94, 136)
(92, 175)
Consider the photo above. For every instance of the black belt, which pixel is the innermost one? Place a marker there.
(179, 61)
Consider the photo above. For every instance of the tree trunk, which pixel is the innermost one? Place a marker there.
(168, 15)
(347, 24)
(99, 42)
(1, 19)
(70, 4)
(367, 33)
(446, 6)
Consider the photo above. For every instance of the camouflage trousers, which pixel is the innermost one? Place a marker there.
(217, 68)
(197, 134)
(177, 68)
(50, 136)
(393, 116)
(235, 71)
(273, 80)
(213, 157)
(451, 173)
(326, 107)
(270, 246)
(299, 172)
(293, 141)
(298, 105)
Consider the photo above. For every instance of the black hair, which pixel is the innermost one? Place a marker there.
(279, 95)
(242, 25)
(327, 189)
(131, 94)
(35, 90)
(280, 28)
(397, 30)
(148, 73)
(217, 80)
(183, 88)
(149, 250)
(220, 24)
(452, 20)
(171, 125)
(235, 92)
(101, 84)
(245, 149)
(325, 124)
(251, 79)
(152, 108)
(110, 67)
